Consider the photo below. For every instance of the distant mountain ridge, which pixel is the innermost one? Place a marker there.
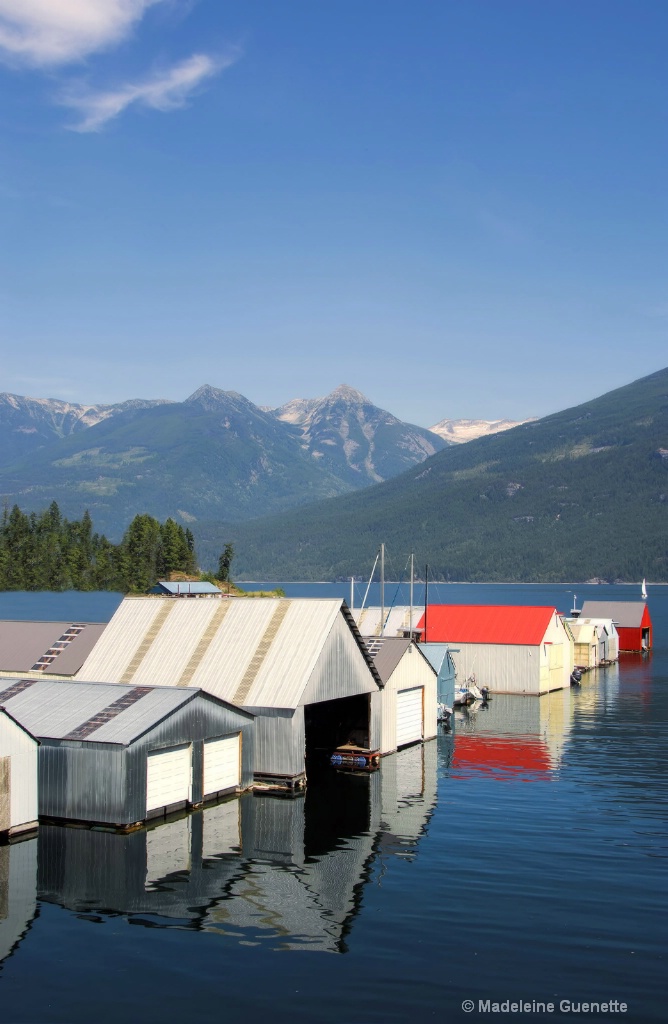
(577, 495)
(27, 424)
(214, 456)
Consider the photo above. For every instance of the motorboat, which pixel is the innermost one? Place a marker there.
(443, 713)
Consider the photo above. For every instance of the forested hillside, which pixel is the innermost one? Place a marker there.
(576, 495)
(45, 551)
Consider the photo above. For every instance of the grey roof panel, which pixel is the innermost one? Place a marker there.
(22, 644)
(387, 652)
(52, 709)
(624, 613)
(74, 655)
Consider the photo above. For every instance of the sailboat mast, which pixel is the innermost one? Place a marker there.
(426, 601)
(352, 593)
(382, 589)
(410, 617)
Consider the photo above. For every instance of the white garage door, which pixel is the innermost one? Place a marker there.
(222, 764)
(168, 777)
(409, 715)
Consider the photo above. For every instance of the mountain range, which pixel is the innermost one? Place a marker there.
(214, 456)
(577, 495)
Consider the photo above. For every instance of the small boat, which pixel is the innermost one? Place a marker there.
(576, 676)
(443, 713)
(468, 693)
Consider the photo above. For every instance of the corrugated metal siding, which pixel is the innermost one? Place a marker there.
(441, 660)
(22, 750)
(87, 781)
(510, 669)
(196, 721)
(412, 670)
(279, 741)
(376, 720)
(340, 671)
(83, 782)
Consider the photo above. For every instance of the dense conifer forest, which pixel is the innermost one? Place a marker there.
(45, 551)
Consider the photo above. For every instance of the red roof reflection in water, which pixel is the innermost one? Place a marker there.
(525, 756)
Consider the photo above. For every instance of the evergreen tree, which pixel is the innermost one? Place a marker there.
(225, 562)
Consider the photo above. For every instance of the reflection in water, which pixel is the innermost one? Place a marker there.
(18, 893)
(259, 869)
(513, 735)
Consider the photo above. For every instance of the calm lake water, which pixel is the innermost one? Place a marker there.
(522, 857)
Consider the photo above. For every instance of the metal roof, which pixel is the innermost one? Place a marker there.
(255, 652)
(584, 631)
(487, 624)
(627, 614)
(387, 652)
(59, 647)
(50, 709)
(185, 587)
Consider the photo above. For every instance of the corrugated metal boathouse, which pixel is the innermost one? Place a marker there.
(510, 649)
(117, 755)
(409, 694)
(299, 666)
(18, 777)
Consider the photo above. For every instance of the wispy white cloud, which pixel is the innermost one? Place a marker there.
(166, 90)
(49, 33)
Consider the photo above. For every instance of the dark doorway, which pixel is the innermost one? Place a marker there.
(332, 723)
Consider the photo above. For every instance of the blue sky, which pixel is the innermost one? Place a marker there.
(457, 207)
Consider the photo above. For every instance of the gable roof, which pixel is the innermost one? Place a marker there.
(387, 652)
(627, 614)
(99, 712)
(252, 652)
(487, 624)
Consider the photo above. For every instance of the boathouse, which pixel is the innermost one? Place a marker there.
(631, 618)
(298, 665)
(118, 754)
(440, 657)
(18, 777)
(595, 641)
(186, 588)
(510, 649)
(409, 691)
